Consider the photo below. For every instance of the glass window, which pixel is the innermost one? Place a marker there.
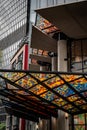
(33, 4)
(50, 2)
(69, 1)
(79, 56)
(61, 1)
(43, 3)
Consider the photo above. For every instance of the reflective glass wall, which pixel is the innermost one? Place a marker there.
(78, 63)
(12, 16)
(79, 56)
(13, 19)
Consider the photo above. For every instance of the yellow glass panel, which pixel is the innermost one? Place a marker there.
(26, 82)
(60, 102)
(38, 89)
(68, 106)
(70, 78)
(42, 76)
(73, 98)
(54, 82)
(13, 76)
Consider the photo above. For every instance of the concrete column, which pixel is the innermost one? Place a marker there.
(9, 122)
(53, 122)
(42, 124)
(62, 55)
(62, 66)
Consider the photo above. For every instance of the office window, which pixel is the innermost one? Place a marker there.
(10, 12)
(70, 1)
(50, 2)
(43, 3)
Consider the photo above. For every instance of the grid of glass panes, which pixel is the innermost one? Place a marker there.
(13, 15)
(79, 56)
(46, 3)
(8, 53)
(79, 64)
(80, 122)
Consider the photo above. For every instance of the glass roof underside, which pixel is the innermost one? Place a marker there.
(43, 93)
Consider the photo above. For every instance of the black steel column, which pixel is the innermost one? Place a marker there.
(10, 123)
(72, 122)
(50, 123)
(28, 16)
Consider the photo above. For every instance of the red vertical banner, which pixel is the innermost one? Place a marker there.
(25, 67)
(22, 124)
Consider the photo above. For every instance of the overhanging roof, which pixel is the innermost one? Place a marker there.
(19, 110)
(42, 93)
(71, 18)
(42, 41)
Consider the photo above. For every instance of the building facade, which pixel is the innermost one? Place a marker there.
(71, 57)
(13, 19)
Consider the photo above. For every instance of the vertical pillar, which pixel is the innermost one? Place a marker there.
(42, 124)
(9, 122)
(62, 66)
(25, 67)
(22, 124)
(53, 122)
(72, 122)
(15, 123)
(62, 55)
(10, 128)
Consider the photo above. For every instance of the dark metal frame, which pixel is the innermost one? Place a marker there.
(35, 104)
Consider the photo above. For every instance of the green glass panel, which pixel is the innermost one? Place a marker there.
(86, 119)
(79, 127)
(79, 119)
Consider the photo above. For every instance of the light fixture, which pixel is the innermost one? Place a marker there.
(52, 54)
(37, 127)
(66, 115)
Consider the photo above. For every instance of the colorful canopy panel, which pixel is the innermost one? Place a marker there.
(46, 92)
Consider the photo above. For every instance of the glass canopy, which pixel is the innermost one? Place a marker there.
(45, 26)
(44, 93)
